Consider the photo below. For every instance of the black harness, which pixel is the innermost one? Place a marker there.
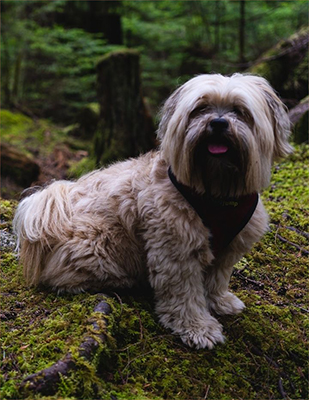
(224, 217)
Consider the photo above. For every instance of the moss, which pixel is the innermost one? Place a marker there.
(23, 132)
(265, 354)
(79, 168)
(32, 136)
(7, 210)
(38, 328)
(118, 52)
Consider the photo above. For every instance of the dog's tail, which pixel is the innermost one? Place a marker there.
(41, 220)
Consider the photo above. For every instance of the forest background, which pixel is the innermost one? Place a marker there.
(50, 52)
(49, 49)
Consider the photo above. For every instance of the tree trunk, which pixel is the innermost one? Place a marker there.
(299, 119)
(125, 128)
(242, 21)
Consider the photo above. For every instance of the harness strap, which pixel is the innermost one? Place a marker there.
(225, 217)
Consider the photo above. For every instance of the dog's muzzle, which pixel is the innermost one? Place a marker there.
(219, 146)
(218, 143)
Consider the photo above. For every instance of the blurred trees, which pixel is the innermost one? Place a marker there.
(181, 38)
(48, 69)
(49, 49)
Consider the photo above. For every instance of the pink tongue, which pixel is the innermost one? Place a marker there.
(217, 148)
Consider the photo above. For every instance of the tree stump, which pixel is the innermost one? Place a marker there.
(125, 127)
(17, 166)
(299, 118)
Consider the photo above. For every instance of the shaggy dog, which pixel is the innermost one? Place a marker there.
(180, 217)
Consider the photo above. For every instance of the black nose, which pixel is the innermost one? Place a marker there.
(219, 124)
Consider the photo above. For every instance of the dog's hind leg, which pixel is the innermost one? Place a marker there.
(96, 257)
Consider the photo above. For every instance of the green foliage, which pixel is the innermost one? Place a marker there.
(181, 39)
(7, 210)
(54, 66)
(48, 57)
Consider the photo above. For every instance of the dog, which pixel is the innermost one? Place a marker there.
(180, 216)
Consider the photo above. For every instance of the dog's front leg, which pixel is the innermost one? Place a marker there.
(216, 284)
(180, 301)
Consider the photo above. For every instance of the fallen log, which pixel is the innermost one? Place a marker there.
(46, 381)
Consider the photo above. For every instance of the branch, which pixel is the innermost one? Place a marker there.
(302, 233)
(303, 251)
(271, 362)
(46, 381)
(252, 281)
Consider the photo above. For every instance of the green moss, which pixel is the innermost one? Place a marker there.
(29, 135)
(77, 169)
(266, 347)
(7, 209)
(118, 52)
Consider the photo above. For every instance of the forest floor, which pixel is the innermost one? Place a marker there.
(123, 353)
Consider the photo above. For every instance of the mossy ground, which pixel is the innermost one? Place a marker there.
(33, 136)
(266, 352)
(59, 154)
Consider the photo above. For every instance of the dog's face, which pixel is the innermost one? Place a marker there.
(220, 135)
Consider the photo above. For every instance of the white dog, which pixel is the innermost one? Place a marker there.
(180, 217)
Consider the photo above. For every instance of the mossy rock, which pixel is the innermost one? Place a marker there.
(28, 143)
(24, 133)
(266, 352)
(17, 166)
(285, 66)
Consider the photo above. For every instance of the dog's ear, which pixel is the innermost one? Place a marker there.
(281, 121)
(167, 111)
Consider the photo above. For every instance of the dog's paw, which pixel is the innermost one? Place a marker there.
(228, 304)
(204, 337)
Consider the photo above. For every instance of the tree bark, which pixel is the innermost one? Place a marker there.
(125, 127)
(299, 118)
(242, 21)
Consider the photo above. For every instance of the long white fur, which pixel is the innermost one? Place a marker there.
(116, 226)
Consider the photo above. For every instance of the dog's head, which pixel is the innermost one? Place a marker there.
(220, 135)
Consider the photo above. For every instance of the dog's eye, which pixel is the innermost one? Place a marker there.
(243, 114)
(199, 110)
(238, 111)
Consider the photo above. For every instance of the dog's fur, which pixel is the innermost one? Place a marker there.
(116, 226)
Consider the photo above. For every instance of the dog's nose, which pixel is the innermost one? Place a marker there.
(219, 124)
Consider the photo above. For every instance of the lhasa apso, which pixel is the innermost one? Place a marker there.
(180, 217)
